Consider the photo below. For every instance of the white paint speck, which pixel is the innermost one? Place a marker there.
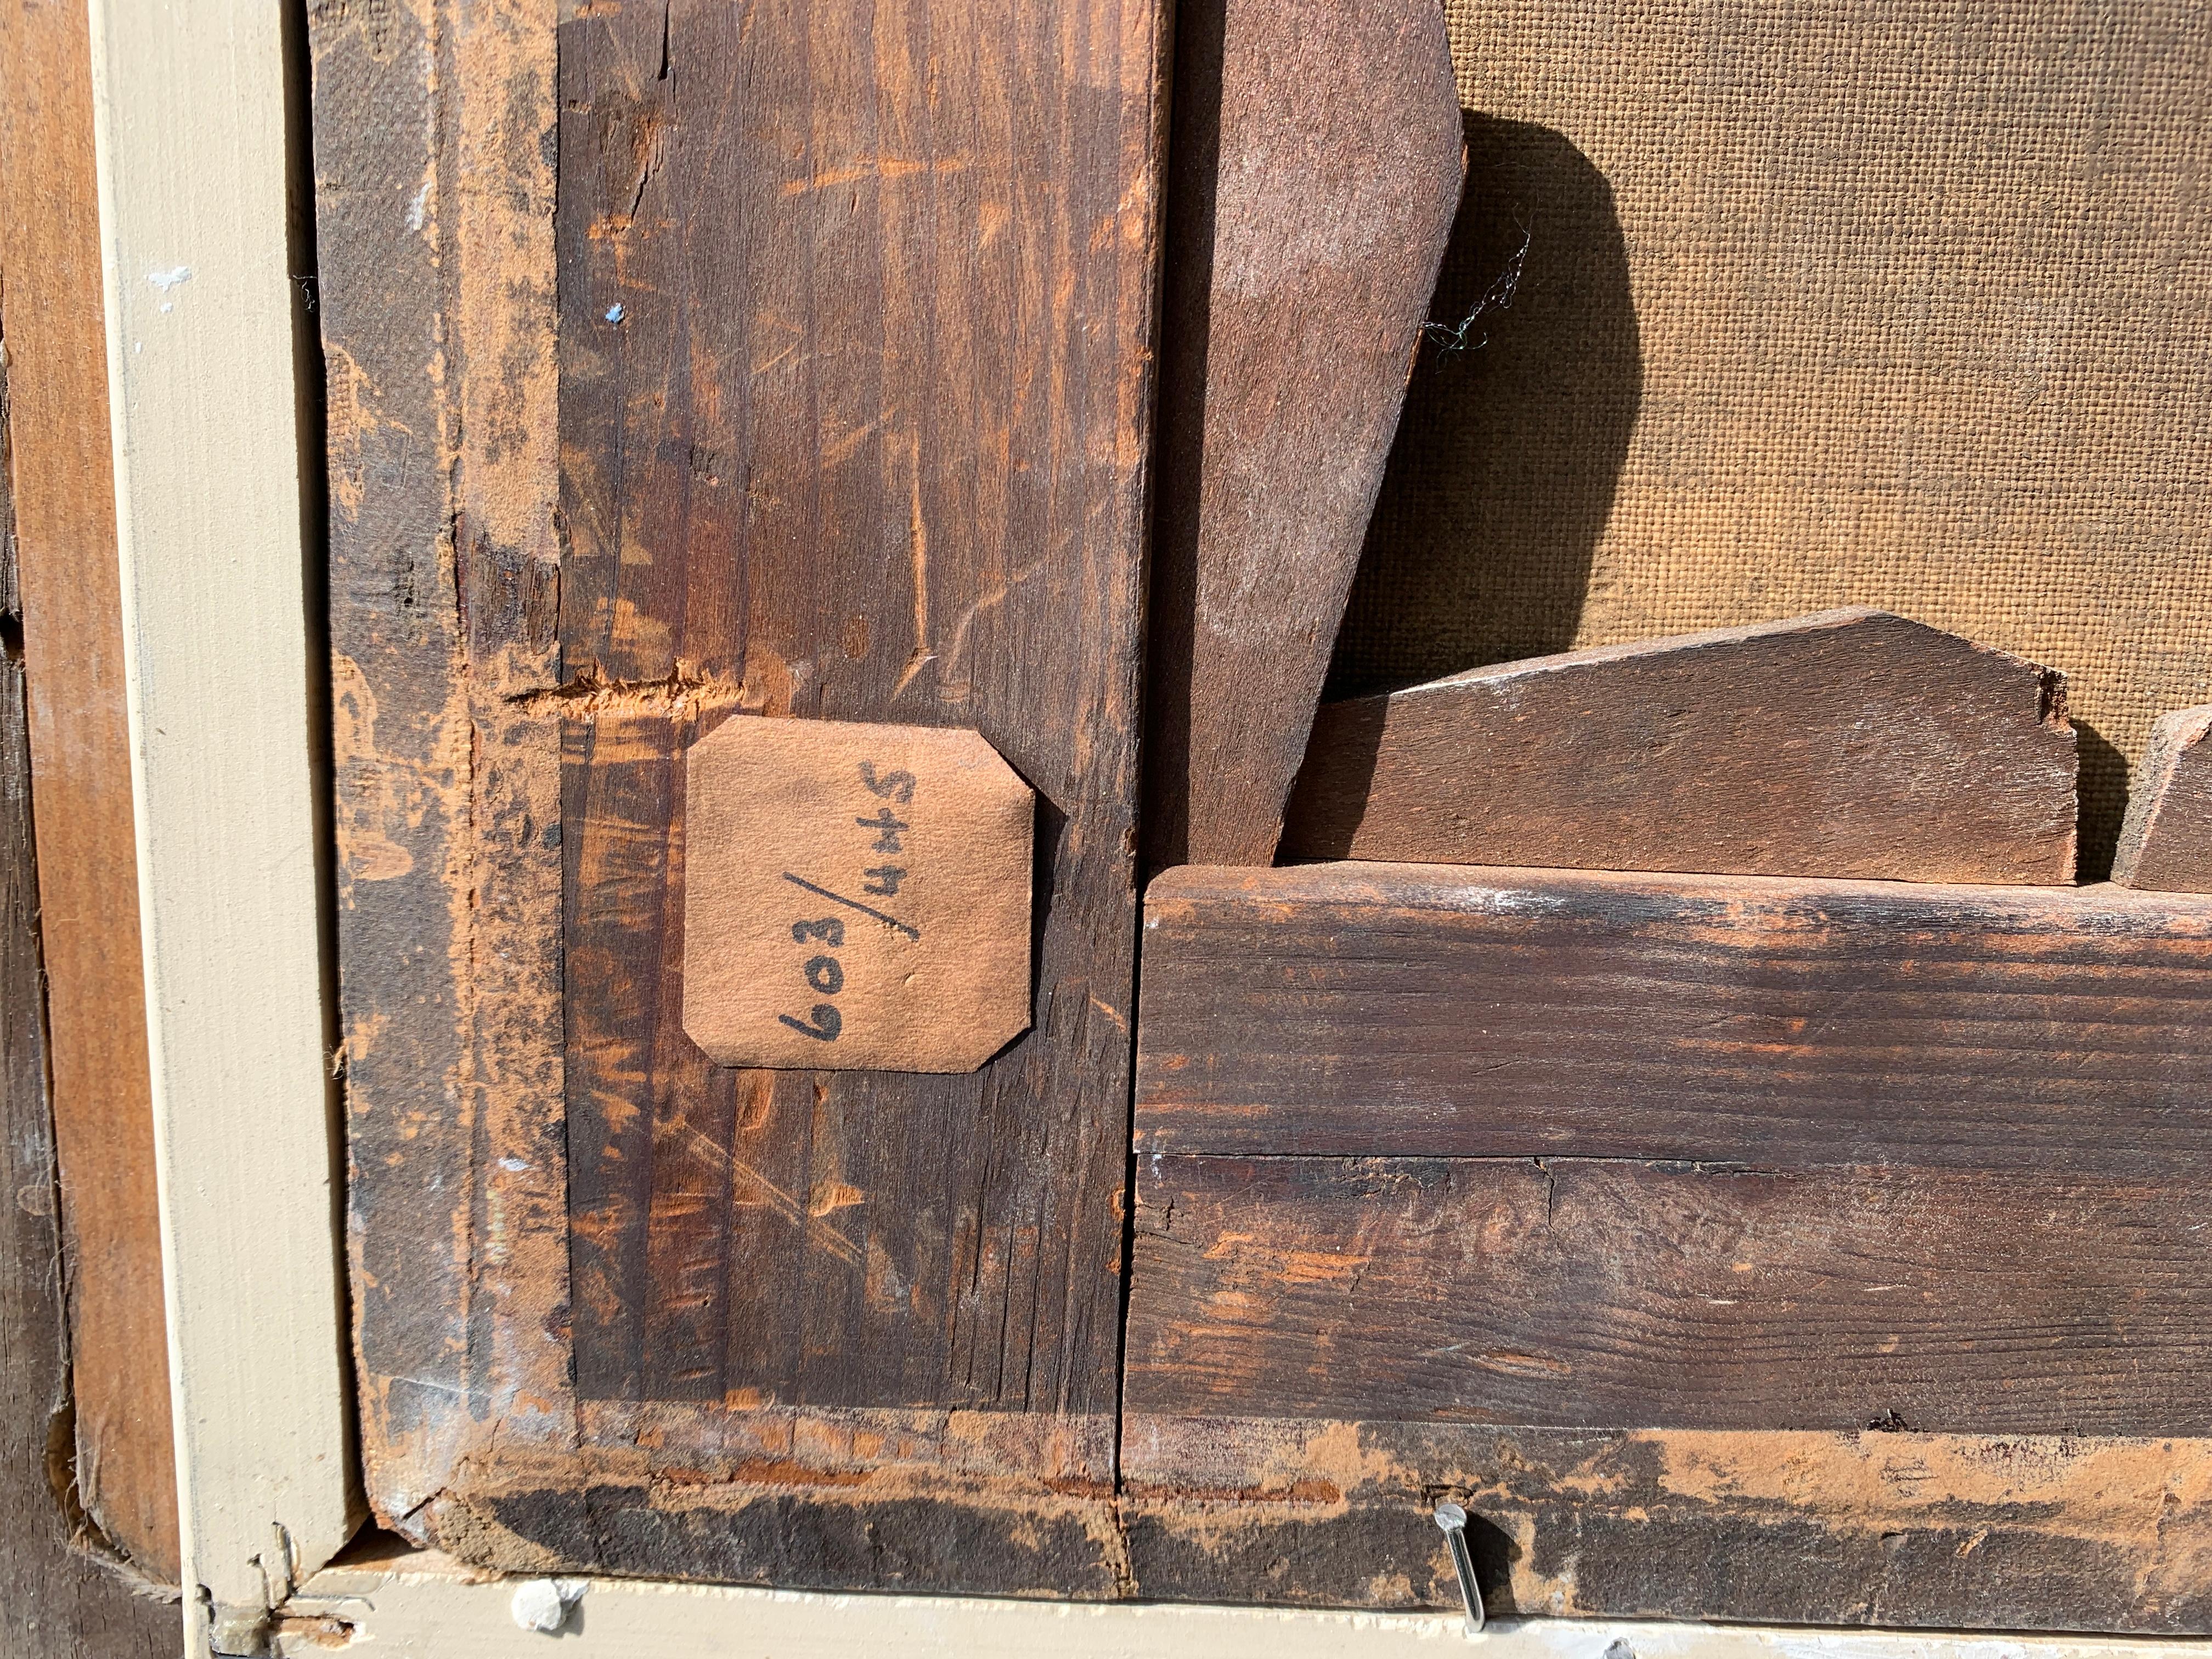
(513, 1163)
(615, 313)
(166, 279)
(543, 1604)
(418, 207)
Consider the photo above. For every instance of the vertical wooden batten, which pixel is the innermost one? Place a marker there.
(192, 151)
(88, 894)
(54, 1597)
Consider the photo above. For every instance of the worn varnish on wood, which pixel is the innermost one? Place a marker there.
(51, 292)
(855, 317)
(1356, 1009)
(854, 385)
(2165, 844)
(1885, 1526)
(1315, 167)
(1580, 1292)
(1623, 1206)
(1849, 743)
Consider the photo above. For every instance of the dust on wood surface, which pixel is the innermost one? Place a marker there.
(1886, 1527)
(1849, 742)
(1581, 1292)
(51, 285)
(856, 347)
(1360, 1009)
(2165, 843)
(856, 896)
(57, 1600)
(958, 535)
(1313, 169)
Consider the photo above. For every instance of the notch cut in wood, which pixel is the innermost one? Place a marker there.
(2165, 843)
(1315, 170)
(1847, 743)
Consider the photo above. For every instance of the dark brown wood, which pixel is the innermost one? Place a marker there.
(856, 312)
(1576, 1293)
(2165, 843)
(1315, 167)
(1849, 743)
(1398, 1009)
(867, 436)
(1884, 1528)
(72, 645)
(58, 1599)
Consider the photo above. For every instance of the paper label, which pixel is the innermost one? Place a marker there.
(855, 897)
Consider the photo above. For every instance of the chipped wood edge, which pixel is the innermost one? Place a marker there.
(191, 140)
(423, 1604)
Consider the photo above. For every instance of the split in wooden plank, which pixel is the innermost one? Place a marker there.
(1398, 1009)
(1314, 171)
(2165, 844)
(1849, 742)
(1883, 1528)
(52, 291)
(1577, 1293)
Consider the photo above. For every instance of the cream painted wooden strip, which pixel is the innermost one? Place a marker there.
(426, 1608)
(189, 127)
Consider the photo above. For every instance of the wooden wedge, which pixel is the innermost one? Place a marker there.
(2165, 843)
(1847, 743)
(1315, 169)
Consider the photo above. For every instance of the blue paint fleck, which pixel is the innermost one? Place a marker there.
(614, 314)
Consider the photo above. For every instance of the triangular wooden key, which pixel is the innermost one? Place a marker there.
(1849, 742)
(1315, 169)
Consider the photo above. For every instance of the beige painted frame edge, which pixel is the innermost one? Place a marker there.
(424, 1606)
(194, 155)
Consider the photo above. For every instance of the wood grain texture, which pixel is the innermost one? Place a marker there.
(855, 345)
(434, 134)
(433, 149)
(1315, 169)
(58, 1599)
(72, 646)
(1399, 1009)
(1576, 1293)
(1882, 1528)
(2166, 843)
(1848, 743)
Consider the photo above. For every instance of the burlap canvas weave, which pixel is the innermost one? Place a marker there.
(1786, 305)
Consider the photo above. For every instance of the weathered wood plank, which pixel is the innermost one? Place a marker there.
(1315, 167)
(72, 646)
(58, 1599)
(1402, 1009)
(2165, 843)
(1892, 1528)
(433, 131)
(1576, 1293)
(856, 317)
(1849, 742)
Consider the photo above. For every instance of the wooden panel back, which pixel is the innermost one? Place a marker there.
(855, 317)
